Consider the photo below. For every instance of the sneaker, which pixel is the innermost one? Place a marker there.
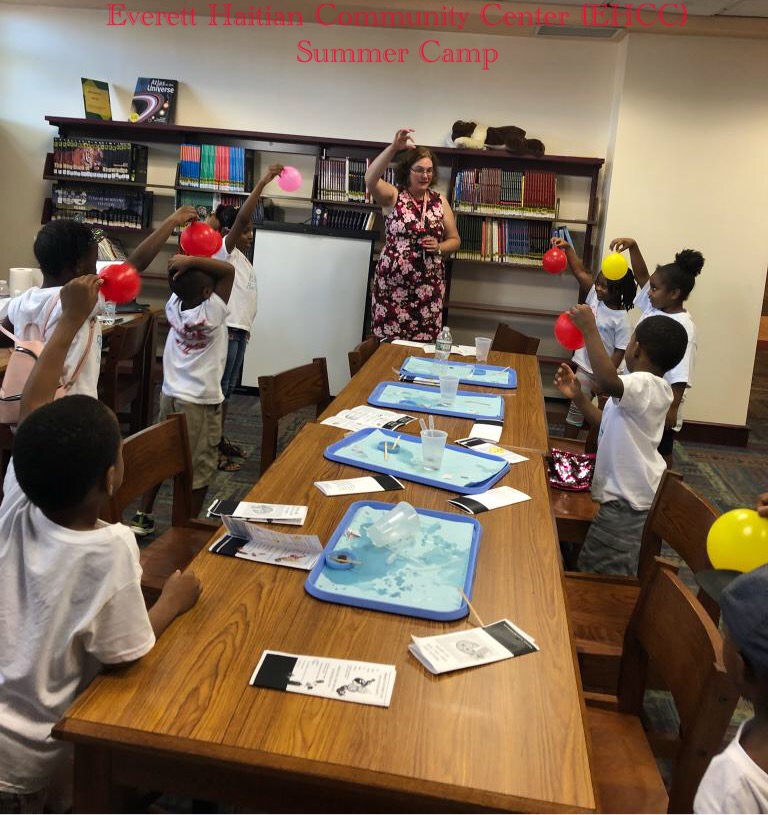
(142, 524)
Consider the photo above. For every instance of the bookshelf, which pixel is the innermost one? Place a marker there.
(335, 204)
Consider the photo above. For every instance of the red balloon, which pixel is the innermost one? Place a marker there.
(567, 334)
(200, 239)
(554, 261)
(121, 282)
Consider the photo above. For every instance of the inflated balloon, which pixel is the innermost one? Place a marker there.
(289, 180)
(738, 540)
(614, 266)
(121, 282)
(567, 334)
(200, 240)
(554, 260)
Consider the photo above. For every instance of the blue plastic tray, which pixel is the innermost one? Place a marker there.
(463, 470)
(422, 579)
(491, 375)
(426, 399)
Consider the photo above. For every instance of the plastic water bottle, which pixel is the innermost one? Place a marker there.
(443, 344)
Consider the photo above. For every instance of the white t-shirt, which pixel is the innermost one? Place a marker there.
(733, 782)
(195, 351)
(613, 327)
(244, 300)
(683, 371)
(31, 307)
(628, 464)
(69, 602)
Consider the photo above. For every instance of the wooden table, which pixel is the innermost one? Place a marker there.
(525, 421)
(507, 736)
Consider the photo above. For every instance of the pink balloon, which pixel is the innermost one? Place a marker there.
(567, 334)
(289, 180)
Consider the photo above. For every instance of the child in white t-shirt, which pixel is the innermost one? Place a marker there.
(665, 292)
(236, 226)
(193, 362)
(610, 300)
(70, 595)
(737, 779)
(628, 467)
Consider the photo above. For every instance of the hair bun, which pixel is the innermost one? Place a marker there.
(690, 261)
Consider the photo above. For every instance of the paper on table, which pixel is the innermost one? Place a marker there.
(483, 446)
(367, 683)
(490, 499)
(268, 546)
(292, 514)
(362, 416)
(352, 486)
(488, 430)
(473, 647)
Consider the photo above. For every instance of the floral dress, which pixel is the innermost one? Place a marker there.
(409, 284)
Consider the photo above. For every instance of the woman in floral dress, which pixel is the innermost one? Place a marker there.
(409, 283)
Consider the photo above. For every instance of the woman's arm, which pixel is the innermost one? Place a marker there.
(639, 269)
(384, 194)
(577, 268)
(451, 240)
(245, 213)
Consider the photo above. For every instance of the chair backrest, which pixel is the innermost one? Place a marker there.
(511, 341)
(362, 353)
(681, 518)
(150, 457)
(126, 342)
(287, 392)
(671, 629)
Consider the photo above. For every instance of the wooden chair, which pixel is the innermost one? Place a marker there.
(150, 457)
(362, 353)
(122, 384)
(511, 341)
(287, 392)
(671, 629)
(600, 606)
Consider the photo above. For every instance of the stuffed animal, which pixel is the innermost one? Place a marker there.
(477, 137)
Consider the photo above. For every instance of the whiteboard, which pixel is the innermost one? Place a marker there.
(312, 291)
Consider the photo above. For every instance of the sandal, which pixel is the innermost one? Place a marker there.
(228, 465)
(226, 448)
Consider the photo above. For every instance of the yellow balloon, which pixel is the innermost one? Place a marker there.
(614, 266)
(738, 540)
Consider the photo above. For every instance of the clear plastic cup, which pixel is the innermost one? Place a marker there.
(399, 524)
(432, 448)
(108, 313)
(449, 385)
(482, 348)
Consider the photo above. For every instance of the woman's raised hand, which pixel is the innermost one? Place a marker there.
(403, 139)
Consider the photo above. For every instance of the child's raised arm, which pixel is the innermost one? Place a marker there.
(148, 249)
(576, 267)
(245, 213)
(603, 369)
(78, 299)
(223, 273)
(639, 269)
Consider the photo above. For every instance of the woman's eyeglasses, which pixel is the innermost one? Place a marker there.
(423, 170)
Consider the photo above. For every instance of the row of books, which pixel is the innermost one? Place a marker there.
(343, 179)
(493, 191)
(343, 218)
(105, 206)
(214, 167)
(99, 159)
(206, 202)
(503, 241)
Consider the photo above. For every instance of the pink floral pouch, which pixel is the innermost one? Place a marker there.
(570, 471)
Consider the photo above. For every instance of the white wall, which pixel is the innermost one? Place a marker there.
(690, 169)
(679, 108)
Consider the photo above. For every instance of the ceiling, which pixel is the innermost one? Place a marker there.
(718, 18)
